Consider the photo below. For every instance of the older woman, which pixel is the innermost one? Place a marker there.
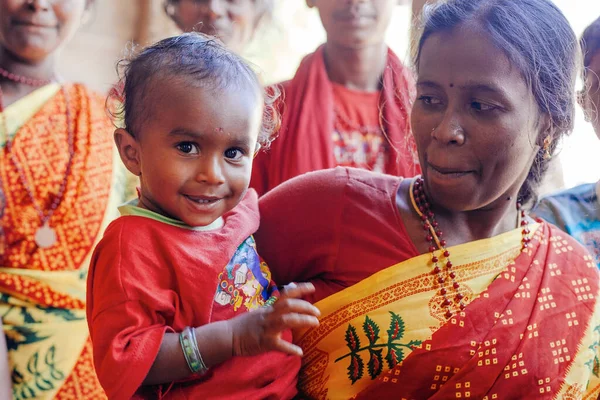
(59, 184)
(442, 286)
(234, 22)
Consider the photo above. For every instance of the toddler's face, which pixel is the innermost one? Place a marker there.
(195, 149)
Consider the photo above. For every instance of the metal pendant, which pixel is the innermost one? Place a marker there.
(45, 237)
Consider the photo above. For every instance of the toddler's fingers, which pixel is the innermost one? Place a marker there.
(288, 348)
(288, 305)
(293, 321)
(296, 290)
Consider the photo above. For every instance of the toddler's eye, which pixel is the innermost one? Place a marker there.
(188, 148)
(234, 154)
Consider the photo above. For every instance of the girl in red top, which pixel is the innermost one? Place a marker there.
(180, 305)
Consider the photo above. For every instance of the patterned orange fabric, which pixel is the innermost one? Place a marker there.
(41, 150)
(42, 291)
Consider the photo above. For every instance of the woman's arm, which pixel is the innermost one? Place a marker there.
(5, 381)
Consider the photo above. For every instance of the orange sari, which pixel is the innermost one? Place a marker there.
(42, 291)
(531, 328)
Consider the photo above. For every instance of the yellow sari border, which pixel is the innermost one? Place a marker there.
(385, 316)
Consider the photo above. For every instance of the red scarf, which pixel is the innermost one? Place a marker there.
(305, 144)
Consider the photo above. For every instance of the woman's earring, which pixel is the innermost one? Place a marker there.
(547, 143)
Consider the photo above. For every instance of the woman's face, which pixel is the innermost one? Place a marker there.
(475, 121)
(355, 24)
(233, 21)
(32, 30)
(591, 96)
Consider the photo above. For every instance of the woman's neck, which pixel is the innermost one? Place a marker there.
(464, 227)
(457, 227)
(43, 71)
(357, 69)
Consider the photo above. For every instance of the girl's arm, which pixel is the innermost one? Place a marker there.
(248, 334)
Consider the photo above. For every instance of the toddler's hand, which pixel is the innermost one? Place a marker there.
(260, 330)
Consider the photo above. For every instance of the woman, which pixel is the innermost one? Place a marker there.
(577, 210)
(235, 23)
(60, 185)
(443, 286)
(348, 103)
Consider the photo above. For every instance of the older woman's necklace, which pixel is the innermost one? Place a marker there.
(45, 236)
(443, 272)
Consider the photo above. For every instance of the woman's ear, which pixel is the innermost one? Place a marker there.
(129, 150)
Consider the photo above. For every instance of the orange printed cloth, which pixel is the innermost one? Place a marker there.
(42, 291)
(531, 328)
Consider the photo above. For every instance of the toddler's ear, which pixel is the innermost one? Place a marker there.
(129, 150)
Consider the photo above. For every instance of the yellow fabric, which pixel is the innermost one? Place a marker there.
(43, 292)
(70, 336)
(19, 112)
(408, 287)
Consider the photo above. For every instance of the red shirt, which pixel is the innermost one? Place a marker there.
(333, 228)
(358, 139)
(148, 277)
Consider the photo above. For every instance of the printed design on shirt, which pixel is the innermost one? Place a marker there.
(358, 146)
(246, 280)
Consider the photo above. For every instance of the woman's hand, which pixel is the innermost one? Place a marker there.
(260, 330)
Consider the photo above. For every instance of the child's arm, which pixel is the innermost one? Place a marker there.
(249, 334)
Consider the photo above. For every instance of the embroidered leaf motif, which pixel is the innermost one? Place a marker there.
(396, 330)
(596, 367)
(356, 368)
(22, 335)
(413, 344)
(371, 330)
(63, 313)
(393, 346)
(394, 356)
(352, 339)
(375, 363)
(51, 363)
(27, 317)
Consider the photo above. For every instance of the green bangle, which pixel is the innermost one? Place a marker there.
(187, 340)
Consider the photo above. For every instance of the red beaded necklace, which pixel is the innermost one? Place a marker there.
(445, 276)
(45, 236)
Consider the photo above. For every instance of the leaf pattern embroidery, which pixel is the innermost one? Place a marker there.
(395, 349)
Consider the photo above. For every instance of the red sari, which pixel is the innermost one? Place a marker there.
(531, 327)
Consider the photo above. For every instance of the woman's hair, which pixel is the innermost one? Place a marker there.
(590, 44)
(199, 59)
(537, 38)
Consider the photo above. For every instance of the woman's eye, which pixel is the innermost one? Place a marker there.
(429, 100)
(234, 154)
(188, 148)
(482, 106)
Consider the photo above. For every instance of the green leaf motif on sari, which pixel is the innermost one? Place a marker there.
(395, 349)
(371, 330)
(21, 335)
(41, 376)
(352, 339)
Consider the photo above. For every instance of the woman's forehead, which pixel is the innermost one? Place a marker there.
(466, 56)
